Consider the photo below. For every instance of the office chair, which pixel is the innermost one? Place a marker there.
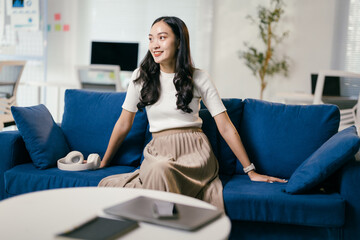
(10, 74)
(349, 116)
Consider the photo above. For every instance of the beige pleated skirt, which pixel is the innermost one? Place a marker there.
(179, 161)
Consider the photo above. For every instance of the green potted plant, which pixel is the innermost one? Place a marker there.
(264, 63)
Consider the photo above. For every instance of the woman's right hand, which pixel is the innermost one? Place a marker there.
(121, 129)
(254, 176)
(103, 164)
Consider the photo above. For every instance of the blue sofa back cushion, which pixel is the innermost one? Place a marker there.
(279, 137)
(44, 139)
(89, 118)
(325, 161)
(227, 160)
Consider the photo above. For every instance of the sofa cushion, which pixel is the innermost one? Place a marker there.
(12, 152)
(88, 121)
(279, 137)
(26, 178)
(333, 154)
(227, 160)
(266, 202)
(43, 138)
(278, 231)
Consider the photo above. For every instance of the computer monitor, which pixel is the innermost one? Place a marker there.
(115, 53)
(331, 85)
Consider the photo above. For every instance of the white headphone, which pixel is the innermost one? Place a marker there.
(74, 161)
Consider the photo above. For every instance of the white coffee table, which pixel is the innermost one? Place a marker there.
(40, 215)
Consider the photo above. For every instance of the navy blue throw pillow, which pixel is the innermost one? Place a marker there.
(333, 154)
(43, 138)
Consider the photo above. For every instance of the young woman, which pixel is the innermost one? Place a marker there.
(179, 158)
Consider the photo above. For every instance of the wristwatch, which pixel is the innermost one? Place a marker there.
(249, 168)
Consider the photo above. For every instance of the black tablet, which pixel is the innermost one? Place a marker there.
(100, 228)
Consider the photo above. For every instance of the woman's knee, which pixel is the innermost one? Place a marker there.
(161, 168)
(156, 171)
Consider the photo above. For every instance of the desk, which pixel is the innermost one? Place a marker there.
(40, 215)
(7, 84)
(295, 98)
(304, 98)
(107, 87)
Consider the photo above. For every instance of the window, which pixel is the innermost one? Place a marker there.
(347, 45)
(352, 57)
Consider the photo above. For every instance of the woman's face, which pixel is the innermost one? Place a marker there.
(163, 46)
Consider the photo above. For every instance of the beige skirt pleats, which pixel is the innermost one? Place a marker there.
(179, 161)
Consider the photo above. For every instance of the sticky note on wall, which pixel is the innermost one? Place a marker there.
(66, 27)
(57, 16)
(57, 27)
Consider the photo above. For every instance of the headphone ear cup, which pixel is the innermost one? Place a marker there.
(74, 157)
(95, 160)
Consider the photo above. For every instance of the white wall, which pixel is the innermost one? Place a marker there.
(62, 45)
(120, 21)
(309, 46)
(218, 29)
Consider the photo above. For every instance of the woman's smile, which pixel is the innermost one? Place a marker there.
(157, 53)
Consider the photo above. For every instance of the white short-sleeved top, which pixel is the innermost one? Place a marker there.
(164, 114)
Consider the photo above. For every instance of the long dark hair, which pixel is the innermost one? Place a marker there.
(184, 69)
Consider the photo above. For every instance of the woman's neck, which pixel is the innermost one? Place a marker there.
(167, 68)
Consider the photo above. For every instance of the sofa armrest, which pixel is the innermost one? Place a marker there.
(13, 152)
(349, 190)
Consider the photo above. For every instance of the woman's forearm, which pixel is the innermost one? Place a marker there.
(117, 137)
(232, 138)
(119, 133)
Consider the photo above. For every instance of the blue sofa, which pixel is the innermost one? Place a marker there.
(299, 143)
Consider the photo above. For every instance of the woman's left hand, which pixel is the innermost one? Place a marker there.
(254, 176)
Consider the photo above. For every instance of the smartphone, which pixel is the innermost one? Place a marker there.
(165, 210)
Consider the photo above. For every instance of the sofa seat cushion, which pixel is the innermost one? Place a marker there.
(27, 178)
(88, 121)
(267, 202)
